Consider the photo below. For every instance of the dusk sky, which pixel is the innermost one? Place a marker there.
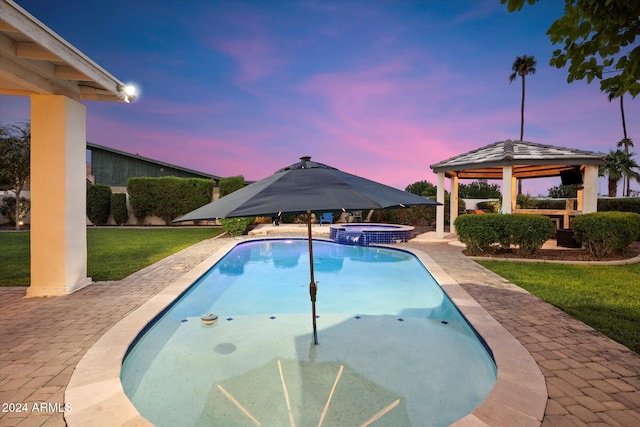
(376, 88)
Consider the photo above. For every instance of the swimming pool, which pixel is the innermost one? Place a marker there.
(364, 234)
(390, 340)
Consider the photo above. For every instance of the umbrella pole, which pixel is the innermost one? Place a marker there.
(312, 285)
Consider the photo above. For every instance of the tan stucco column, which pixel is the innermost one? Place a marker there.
(58, 196)
(453, 203)
(590, 191)
(508, 190)
(440, 208)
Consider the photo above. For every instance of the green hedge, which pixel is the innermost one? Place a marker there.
(486, 233)
(415, 215)
(230, 184)
(620, 204)
(142, 193)
(234, 226)
(491, 206)
(98, 203)
(607, 233)
(119, 208)
(167, 197)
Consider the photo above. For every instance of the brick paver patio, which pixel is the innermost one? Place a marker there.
(591, 380)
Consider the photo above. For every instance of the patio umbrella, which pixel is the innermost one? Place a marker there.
(306, 187)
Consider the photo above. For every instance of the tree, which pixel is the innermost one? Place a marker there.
(599, 38)
(479, 189)
(522, 66)
(422, 188)
(625, 141)
(563, 191)
(616, 166)
(15, 153)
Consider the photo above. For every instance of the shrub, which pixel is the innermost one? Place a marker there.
(491, 206)
(485, 233)
(167, 197)
(550, 204)
(142, 197)
(415, 215)
(528, 232)
(8, 209)
(477, 233)
(606, 233)
(236, 226)
(619, 204)
(119, 208)
(230, 184)
(525, 201)
(98, 203)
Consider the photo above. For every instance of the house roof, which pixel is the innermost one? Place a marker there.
(36, 60)
(92, 146)
(529, 160)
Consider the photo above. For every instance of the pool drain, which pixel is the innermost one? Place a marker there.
(209, 318)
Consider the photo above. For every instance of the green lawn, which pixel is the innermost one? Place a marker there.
(605, 297)
(113, 253)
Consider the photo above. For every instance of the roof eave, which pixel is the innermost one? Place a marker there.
(79, 77)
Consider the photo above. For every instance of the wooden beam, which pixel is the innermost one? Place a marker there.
(22, 75)
(7, 28)
(34, 51)
(70, 73)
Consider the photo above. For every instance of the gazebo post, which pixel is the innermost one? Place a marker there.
(508, 189)
(453, 201)
(590, 191)
(440, 208)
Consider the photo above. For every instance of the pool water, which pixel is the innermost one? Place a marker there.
(393, 349)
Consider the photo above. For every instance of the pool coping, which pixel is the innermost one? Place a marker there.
(518, 397)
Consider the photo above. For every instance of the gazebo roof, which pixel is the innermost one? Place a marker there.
(529, 160)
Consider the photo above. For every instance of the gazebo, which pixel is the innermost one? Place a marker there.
(38, 63)
(512, 160)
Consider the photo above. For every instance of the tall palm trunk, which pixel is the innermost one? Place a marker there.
(624, 124)
(613, 187)
(521, 129)
(522, 112)
(626, 183)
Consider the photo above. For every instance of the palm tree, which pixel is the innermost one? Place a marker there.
(522, 66)
(618, 165)
(626, 141)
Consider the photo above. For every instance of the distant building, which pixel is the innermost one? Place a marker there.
(114, 167)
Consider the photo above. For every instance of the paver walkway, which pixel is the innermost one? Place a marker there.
(42, 339)
(591, 379)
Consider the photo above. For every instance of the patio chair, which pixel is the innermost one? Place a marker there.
(355, 216)
(326, 217)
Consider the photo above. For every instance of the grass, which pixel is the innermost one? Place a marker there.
(112, 253)
(607, 298)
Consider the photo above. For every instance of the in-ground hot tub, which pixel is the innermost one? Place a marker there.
(364, 234)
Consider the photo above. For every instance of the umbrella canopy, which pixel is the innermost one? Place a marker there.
(308, 187)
